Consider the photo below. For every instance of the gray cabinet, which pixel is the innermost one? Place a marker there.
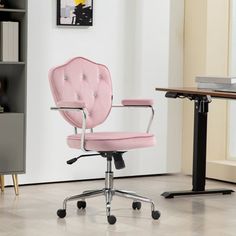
(12, 123)
(12, 143)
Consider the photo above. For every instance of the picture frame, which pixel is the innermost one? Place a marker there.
(74, 12)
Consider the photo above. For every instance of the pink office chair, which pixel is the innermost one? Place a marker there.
(82, 91)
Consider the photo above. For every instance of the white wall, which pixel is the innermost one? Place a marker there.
(133, 39)
(175, 106)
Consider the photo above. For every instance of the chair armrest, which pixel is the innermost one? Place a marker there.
(74, 106)
(137, 102)
(71, 104)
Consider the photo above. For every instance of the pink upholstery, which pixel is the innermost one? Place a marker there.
(81, 79)
(71, 104)
(81, 83)
(112, 141)
(137, 102)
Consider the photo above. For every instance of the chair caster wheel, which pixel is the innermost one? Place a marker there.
(156, 215)
(136, 205)
(61, 213)
(111, 219)
(81, 204)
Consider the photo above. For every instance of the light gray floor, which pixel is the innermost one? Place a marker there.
(33, 213)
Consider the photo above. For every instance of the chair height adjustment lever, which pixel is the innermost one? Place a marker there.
(73, 160)
(118, 161)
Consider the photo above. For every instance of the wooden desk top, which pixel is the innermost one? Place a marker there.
(196, 91)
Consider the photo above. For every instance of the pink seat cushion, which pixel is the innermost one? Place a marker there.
(112, 141)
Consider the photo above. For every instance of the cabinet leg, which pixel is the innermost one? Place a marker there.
(2, 182)
(15, 182)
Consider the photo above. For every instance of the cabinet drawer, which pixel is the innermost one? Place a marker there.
(12, 158)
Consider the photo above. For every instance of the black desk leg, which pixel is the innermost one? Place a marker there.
(199, 153)
(199, 144)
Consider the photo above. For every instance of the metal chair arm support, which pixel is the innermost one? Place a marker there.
(82, 143)
(141, 106)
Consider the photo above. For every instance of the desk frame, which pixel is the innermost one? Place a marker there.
(201, 103)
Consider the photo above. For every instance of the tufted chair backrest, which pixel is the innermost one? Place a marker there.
(83, 80)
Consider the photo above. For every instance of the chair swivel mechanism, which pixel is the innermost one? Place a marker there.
(82, 92)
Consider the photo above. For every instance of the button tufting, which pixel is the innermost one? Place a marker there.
(100, 76)
(78, 96)
(65, 77)
(95, 94)
(84, 77)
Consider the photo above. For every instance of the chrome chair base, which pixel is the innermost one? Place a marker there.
(109, 192)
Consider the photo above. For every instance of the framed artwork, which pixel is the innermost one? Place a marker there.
(75, 12)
